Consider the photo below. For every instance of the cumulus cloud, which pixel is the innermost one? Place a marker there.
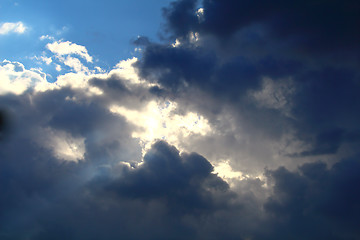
(61, 48)
(10, 27)
(15, 79)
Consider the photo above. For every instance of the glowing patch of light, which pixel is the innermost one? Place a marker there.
(194, 37)
(177, 43)
(225, 171)
(62, 144)
(158, 120)
(200, 14)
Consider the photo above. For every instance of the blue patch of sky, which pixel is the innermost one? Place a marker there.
(105, 27)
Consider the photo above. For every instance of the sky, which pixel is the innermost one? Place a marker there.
(212, 119)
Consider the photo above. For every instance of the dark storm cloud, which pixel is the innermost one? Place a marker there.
(42, 197)
(174, 67)
(324, 143)
(319, 25)
(200, 67)
(242, 42)
(4, 124)
(315, 202)
(309, 51)
(181, 17)
(324, 99)
(170, 195)
(184, 182)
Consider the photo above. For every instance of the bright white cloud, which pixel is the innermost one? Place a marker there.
(80, 78)
(200, 14)
(74, 63)
(177, 43)
(10, 27)
(77, 80)
(47, 37)
(58, 67)
(159, 120)
(225, 171)
(125, 70)
(61, 48)
(15, 79)
(47, 60)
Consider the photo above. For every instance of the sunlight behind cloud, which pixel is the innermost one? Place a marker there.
(224, 170)
(62, 144)
(158, 120)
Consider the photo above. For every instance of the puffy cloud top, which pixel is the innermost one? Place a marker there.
(67, 48)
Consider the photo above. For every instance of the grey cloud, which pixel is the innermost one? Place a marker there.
(171, 194)
(4, 124)
(319, 26)
(315, 202)
(239, 44)
(118, 91)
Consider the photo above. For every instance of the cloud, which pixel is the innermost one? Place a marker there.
(61, 48)
(159, 120)
(62, 144)
(189, 182)
(46, 37)
(74, 63)
(52, 128)
(81, 166)
(259, 81)
(319, 31)
(314, 199)
(4, 124)
(15, 79)
(169, 193)
(9, 27)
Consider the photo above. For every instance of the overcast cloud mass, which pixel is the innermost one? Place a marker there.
(240, 121)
